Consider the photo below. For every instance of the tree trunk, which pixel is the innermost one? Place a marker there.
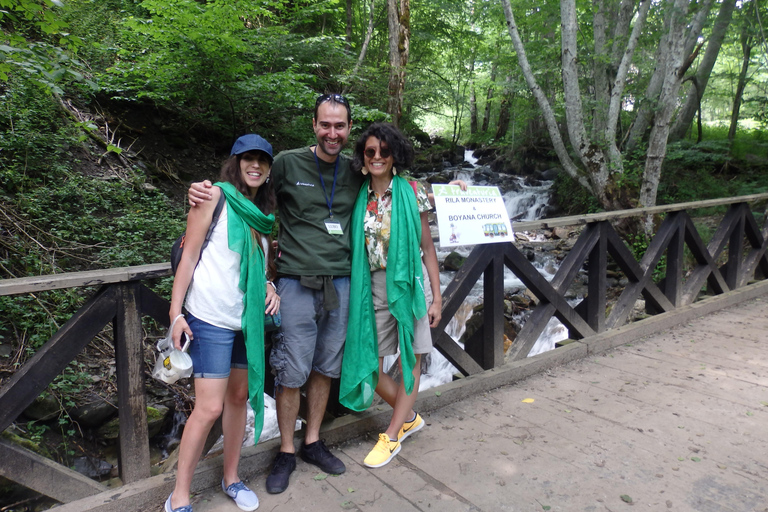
(547, 113)
(674, 68)
(472, 100)
(600, 155)
(693, 101)
(399, 17)
(601, 70)
(649, 102)
(504, 110)
(364, 48)
(488, 98)
(747, 42)
(348, 45)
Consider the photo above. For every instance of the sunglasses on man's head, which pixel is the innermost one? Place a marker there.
(338, 98)
(384, 152)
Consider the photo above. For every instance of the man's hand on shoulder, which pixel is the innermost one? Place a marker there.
(199, 192)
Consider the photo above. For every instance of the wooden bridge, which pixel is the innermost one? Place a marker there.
(732, 265)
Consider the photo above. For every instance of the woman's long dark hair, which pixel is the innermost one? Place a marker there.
(398, 144)
(265, 200)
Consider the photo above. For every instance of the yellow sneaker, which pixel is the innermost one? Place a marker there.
(382, 453)
(409, 427)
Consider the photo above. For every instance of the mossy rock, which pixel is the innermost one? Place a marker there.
(155, 418)
(25, 443)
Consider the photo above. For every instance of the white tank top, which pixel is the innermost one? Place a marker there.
(214, 295)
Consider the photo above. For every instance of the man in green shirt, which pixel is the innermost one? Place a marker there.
(316, 191)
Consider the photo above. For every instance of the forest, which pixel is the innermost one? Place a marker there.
(110, 108)
(150, 93)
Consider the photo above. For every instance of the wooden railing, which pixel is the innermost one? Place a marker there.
(122, 300)
(715, 271)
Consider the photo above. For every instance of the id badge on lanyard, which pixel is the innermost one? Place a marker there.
(332, 225)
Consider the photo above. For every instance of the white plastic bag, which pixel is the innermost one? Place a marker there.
(172, 364)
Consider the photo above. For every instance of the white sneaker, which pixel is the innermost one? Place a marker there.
(169, 507)
(245, 499)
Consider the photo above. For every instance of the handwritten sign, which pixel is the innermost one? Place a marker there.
(471, 217)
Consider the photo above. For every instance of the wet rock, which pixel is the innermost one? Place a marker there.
(550, 268)
(440, 177)
(521, 301)
(110, 430)
(530, 295)
(17, 439)
(476, 322)
(44, 408)
(92, 468)
(156, 419)
(560, 233)
(549, 174)
(454, 261)
(95, 410)
(576, 290)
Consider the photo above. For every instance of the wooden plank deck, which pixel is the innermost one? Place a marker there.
(676, 421)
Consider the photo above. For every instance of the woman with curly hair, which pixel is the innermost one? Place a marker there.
(398, 296)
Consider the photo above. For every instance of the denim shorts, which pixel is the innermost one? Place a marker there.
(310, 337)
(215, 350)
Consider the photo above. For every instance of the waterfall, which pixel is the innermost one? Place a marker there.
(525, 202)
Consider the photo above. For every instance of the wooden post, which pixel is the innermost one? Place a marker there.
(132, 404)
(735, 241)
(597, 266)
(673, 280)
(493, 309)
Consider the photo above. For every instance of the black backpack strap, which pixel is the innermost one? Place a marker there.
(214, 220)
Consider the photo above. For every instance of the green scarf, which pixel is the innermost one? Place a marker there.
(405, 297)
(243, 215)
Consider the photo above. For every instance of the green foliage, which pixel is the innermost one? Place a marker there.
(33, 141)
(35, 42)
(571, 197)
(638, 244)
(32, 320)
(235, 65)
(56, 218)
(709, 170)
(76, 220)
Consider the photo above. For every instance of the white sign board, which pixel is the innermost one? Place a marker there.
(471, 217)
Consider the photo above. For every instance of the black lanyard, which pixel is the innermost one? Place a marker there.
(322, 182)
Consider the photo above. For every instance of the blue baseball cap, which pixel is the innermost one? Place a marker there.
(251, 142)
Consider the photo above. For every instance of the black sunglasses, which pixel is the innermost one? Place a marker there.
(338, 98)
(384, 152)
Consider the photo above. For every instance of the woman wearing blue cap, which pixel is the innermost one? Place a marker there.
(227, 294)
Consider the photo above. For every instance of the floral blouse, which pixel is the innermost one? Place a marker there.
(378, 214)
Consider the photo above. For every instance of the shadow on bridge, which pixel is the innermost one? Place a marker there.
(733, 258)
